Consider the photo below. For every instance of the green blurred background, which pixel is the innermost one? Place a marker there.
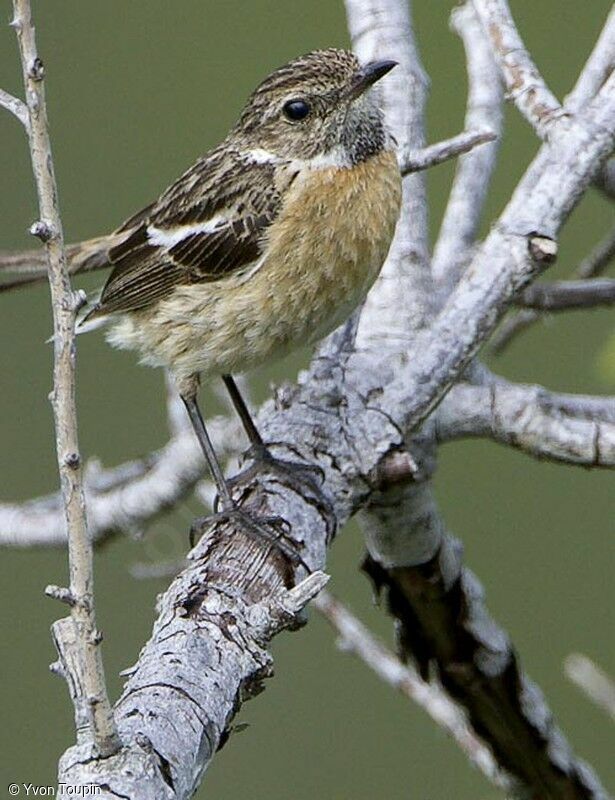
(136, 91)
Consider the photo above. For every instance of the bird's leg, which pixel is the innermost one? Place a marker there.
(259, 452)
(196, 418)
(258, 528)
(242, 411)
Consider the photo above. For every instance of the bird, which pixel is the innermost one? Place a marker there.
(268, 242)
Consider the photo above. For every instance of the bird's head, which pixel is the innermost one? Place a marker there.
(318, 106)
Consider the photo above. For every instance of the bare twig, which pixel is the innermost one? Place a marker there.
(511, 327)
(568, 295)
(79, 652)
(592, 680)
(417, 160)
(354, 637)
(599, 258)
(459, 228)
(16, 107)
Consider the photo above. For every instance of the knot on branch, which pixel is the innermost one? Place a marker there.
(36, 69)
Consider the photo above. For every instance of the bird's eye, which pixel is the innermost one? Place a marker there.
(296, 110)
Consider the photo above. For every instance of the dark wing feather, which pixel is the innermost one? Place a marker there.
(242, 193)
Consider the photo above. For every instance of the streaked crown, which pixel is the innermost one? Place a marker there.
(318, 105)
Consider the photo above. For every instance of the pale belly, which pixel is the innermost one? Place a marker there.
(324, 254)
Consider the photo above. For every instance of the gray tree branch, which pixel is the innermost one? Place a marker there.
(459, 229)
(532, 420)
(597, 69)
(524, 83)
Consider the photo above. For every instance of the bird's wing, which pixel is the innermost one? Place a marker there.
(208, 225)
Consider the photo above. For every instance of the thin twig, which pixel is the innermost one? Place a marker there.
(592, 680)
(16, 107)
(358, 639)
(123, 498)
(568, 295)
(417, 160)
(459, 229)
(92, 709)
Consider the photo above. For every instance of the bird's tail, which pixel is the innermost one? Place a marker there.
(30, 266)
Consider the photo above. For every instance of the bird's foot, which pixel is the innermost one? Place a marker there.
(271, 530)
(293, 474)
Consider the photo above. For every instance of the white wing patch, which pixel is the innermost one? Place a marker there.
(169, 237)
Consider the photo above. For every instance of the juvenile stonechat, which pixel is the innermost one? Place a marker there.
(267, 243)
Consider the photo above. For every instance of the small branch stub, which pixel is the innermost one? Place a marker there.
(543, 249)
(61, 593)
(42, 230)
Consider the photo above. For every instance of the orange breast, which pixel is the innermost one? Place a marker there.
(330, 241)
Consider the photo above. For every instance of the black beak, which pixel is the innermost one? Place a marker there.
(368, 75)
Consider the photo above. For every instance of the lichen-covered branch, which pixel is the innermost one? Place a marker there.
(518, 248)
(208, 654)
(94, 719)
